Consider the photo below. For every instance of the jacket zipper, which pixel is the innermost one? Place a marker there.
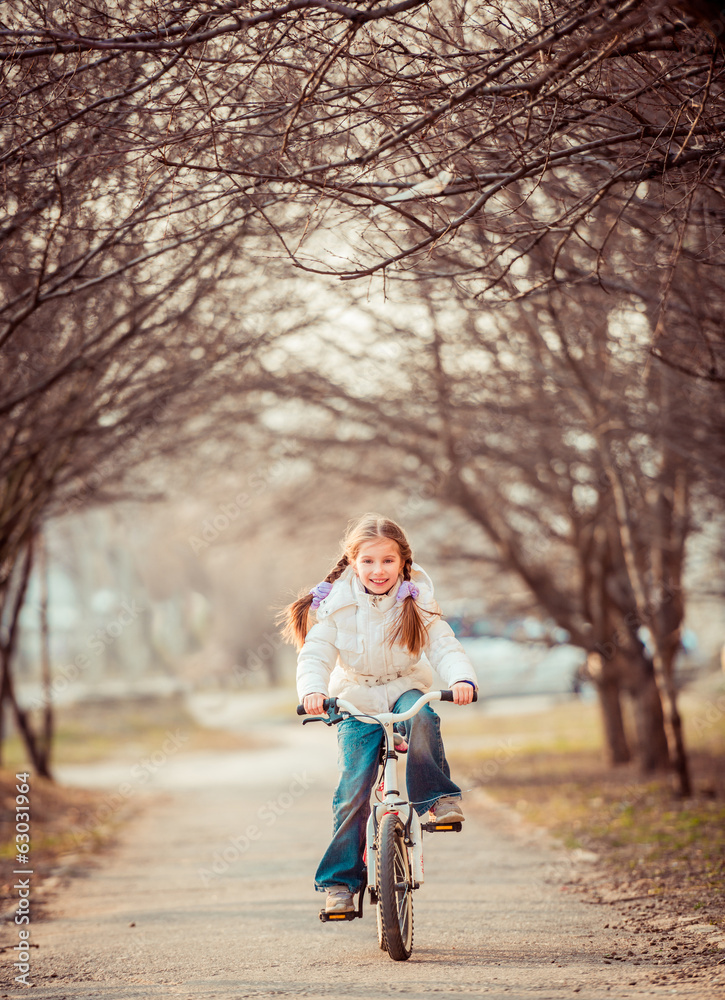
(387, 652)
(371, 634)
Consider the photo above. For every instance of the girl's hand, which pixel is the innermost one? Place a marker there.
(313, 703)
(462, 693)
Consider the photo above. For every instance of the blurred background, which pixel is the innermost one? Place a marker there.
(428, 410)
(239, 310)
(132, 610)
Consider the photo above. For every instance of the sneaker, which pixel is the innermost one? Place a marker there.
(339, 900)
(447, 810)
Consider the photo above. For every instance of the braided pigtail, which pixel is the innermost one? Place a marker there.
(411, 629)
(341, 565)
(295, 618)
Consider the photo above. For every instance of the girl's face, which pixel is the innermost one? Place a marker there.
(378, 563)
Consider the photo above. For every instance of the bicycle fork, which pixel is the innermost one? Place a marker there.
(392, 802)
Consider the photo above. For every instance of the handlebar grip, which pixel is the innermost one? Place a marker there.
(448, 695)
(325, 704)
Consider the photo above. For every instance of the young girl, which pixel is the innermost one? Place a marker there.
(375, 617)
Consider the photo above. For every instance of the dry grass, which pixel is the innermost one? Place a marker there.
(550, 768)
(125, 730)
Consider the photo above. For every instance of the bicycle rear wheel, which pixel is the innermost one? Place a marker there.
(395, 891)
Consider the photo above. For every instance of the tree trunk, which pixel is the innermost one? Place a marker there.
(2, 718)
(680, 762)
(45, 740)
(652, 749)
(605, 676)
(665, 623)
(12, 603)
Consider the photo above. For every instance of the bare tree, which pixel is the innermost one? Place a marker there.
(514, 148)
(144, 363)
(535, 422)
(443, 116)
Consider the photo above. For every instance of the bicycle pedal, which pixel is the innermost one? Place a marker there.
(442, 827)
(349, 915)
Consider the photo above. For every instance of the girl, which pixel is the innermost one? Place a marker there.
(375, 617)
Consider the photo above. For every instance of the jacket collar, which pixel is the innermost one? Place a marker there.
(382, 602)
(347, 591)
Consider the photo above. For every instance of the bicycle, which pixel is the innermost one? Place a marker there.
(394, 834)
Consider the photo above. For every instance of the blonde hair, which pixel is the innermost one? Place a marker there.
(411, 629)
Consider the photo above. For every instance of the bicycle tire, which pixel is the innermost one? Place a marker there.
(381, 935)
(395, 891)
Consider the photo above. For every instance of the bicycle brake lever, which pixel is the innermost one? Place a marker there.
(328, 720)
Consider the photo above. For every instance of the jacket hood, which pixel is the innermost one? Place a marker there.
(348, 590)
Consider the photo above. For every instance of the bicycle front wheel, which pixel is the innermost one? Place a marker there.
(395, 890)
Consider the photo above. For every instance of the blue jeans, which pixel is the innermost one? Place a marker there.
(428, 779)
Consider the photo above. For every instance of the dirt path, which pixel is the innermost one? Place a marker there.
(208, 894)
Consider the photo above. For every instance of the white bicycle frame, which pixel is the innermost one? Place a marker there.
(392, 800)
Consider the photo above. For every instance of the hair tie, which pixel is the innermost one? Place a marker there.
(407, 589)
(319, 593)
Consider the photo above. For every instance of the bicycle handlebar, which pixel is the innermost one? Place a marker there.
(339, 704)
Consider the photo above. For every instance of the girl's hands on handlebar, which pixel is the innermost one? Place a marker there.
(313, 704)
(463, 693)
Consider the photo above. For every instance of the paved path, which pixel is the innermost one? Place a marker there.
(208, 894)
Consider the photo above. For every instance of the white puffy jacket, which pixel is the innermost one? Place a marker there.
(347, 652)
